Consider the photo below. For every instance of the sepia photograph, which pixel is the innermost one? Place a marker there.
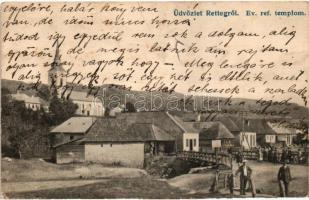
(154, 100)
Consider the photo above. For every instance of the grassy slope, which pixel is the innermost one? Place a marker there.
(124, 184)
(39, 170)
(117, 188)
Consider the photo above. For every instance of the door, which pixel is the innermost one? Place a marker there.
(191, 145)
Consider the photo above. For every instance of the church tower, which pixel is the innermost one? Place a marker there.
(56, 74)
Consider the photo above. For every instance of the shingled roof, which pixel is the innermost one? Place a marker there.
(27, 99)
(75, 125)
(258, 126)
(119, 130)
(281, 129)
(215, 131)
(206, 130)
(228, 123)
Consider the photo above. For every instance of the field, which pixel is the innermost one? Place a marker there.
(36, 178)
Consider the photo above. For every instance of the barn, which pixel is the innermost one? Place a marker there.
(66, 138)
(115, 142)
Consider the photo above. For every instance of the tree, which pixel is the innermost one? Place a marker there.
(23, 131)
(61, 109)
(44, 92)
(130, 107)
(16, 127)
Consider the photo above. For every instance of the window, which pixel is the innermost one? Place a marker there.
(111, 145)
(71, 137)
(194, 142)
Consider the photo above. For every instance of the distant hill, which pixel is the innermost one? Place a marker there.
(239, 106)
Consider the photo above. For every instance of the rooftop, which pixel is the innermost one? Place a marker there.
(75, 125)
(120, 130)
(27, 99)
(258, 126)
(215, 131)
(207, 130)
(279, 129)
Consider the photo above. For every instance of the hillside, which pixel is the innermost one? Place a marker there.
(145, 101)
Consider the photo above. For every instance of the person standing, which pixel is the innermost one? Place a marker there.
(245, 175)
(260, 154)
(265, 156)
(275, 155)
(284, 178)
(289, 154)
(284, 155)
(239, 157)
(270, 155)
(299, 156)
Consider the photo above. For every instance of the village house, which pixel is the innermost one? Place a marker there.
(284, 135)
(144, 134)
(159, 119)
(87, 104)
(110, 141)
(65, 139)
(215, 135)
(254, 132)
(202, 136)
(31, 102)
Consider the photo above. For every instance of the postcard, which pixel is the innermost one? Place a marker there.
(164, 100)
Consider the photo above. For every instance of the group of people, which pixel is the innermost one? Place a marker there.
(245, 174)
(275, 155)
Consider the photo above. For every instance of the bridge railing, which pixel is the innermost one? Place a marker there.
(209, 156)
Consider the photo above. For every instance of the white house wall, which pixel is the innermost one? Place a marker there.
(270, 139)
(127, 154)
(245, 140)
(33, 106)
(190, 136)
(94, 108)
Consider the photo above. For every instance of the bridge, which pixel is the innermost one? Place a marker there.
(217, 159)
(209, 157)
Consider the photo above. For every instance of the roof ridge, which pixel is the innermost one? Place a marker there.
(176, 122)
